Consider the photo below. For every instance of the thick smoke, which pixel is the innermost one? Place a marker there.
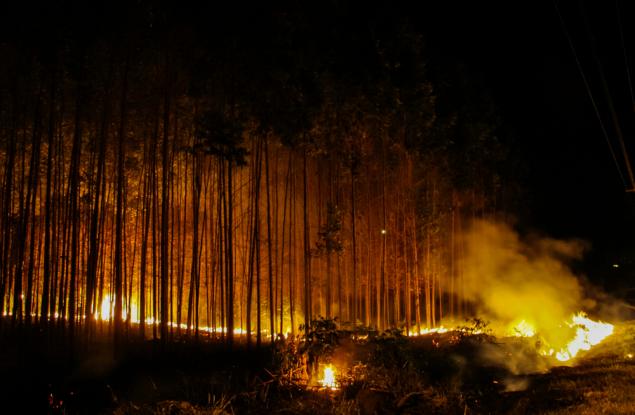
(510, 278)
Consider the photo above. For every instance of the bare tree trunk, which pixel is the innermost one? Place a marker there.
(194, 270)
(93, 254)
(307, 247)
(272, 317)
(229, 252)
(33, 185)
(73, 214)
(119, 215)
(164, 213)
(354, 244)
(46, 278)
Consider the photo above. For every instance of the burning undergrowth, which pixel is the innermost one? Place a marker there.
(526, 288)
(528, 303)
(387, 372)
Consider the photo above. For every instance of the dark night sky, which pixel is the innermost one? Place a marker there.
(519, 52)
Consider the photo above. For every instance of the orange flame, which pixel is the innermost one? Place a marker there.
(588, 333)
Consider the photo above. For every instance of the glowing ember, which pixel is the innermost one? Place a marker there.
(425, 331)
(328, 380)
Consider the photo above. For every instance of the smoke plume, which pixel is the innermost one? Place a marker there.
(508, 278)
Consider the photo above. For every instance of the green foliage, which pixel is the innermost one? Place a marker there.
(288, 362)
(329, 236)
(475, 329)
(321, 339)
(220, 137)
(388, 349)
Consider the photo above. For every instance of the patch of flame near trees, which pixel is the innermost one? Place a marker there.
(579, 333)
(106, 311)
(526, 288)
(328, 378)
(587, 333)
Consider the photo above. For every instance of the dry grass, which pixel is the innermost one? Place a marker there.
(601, 382)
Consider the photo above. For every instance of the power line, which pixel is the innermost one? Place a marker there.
(609, 100)
(628, 71)
(590, 94)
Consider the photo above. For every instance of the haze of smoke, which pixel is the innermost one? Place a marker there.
(509, 278)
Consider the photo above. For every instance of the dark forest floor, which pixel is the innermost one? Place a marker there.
(430, 374)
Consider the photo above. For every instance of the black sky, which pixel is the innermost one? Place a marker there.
(519, 52)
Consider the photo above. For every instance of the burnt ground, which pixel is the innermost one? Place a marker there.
(431, 374)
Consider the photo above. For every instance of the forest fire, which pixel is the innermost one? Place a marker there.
(343, 207)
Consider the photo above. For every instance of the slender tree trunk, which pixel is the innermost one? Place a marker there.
(307, 246)
(119, 215)
(272, 317)
(33, 185)
(46, 278)
(229, 226)
(93, 254)
(164, 310)
(194, 270)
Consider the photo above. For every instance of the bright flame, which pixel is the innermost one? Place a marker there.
(328, 380)
(588, 333)
(106, 305)
(425, 331)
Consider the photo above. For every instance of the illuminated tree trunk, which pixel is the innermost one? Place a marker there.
(164, 310)
(46, 277)
(307, 246)
(7, 205)
(93, 254)
(452, 289)
(417, 273)
(34, 171)
(270, 258)
(428, 281)
(293, 277)
(354, 242)
(229, 254)
(145, 228)
(194, 269)
(383, 306)
(287, 194)
(73, 215)
(119, 217)
(254, 246)
(181, 227)
(370, 277)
